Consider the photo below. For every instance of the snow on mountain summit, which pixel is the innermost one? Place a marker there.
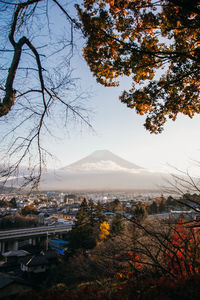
(103, 170)
(102, 160)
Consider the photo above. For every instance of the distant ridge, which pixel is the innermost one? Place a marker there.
(100, 159)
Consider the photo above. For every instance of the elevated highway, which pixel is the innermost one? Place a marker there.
(13, 239)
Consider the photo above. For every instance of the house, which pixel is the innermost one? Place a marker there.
(35, 264)
(14, 254)
(39, 263)
(11, 286)
(12, 260)
(59, 245)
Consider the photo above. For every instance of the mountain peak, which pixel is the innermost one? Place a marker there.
(104, 151)
(101, 160)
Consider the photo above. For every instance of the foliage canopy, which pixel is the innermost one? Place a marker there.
(154, 42)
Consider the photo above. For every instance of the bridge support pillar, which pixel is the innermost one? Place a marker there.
(33, 236)
(15, 245)
(2, 247)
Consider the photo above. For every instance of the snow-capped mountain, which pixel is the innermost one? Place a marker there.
(102, 170)
(101, 161)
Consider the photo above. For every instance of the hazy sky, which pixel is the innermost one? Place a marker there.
(120, 130)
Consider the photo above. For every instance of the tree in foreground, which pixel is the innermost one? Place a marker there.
(117, 224)
(82, 234)
(140, 212)
(182, 255)
(154, 42)
(36, 82)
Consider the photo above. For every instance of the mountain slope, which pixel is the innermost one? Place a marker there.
(101, 160)
(102, 170)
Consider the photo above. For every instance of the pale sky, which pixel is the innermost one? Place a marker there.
(120, 130)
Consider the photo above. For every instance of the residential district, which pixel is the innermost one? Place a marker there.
(34, 228)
